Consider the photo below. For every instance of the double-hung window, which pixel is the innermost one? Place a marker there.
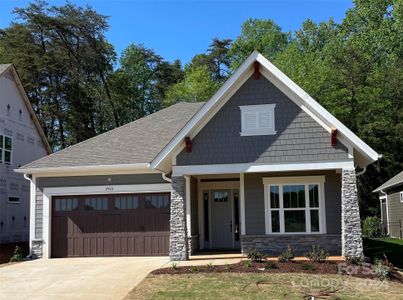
(294, 205)
(6, 147)
(257, 119)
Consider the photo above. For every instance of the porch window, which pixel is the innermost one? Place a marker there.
(296, 206)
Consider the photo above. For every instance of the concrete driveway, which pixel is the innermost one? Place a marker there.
(76, 278)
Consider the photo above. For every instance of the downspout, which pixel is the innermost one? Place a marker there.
(361, 172)
(387, 210)
(31, 212)
(165, 177)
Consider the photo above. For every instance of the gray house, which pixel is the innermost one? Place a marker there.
(21, 141)
(260, 165)
(391, 203)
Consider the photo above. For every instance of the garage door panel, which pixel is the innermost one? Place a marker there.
(110, 225)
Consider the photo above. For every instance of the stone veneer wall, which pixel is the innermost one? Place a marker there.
(36, 249)
(178, 246)
(301, 244)
(350, 216)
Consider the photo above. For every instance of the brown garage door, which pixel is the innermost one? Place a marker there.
(110, 225)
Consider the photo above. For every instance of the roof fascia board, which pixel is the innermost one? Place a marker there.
(318, 109)
(30, 109)
(89, 170)
(225, 88)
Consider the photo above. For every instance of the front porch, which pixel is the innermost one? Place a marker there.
(265, 211)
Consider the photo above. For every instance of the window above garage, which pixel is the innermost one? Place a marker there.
(257, 120)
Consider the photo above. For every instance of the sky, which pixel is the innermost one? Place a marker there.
(181, 29)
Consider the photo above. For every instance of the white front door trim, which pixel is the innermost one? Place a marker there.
(48, 193)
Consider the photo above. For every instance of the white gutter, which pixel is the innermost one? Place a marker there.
(141, 167)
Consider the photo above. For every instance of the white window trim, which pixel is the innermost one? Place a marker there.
(256, 109)
(48, 193)
(3, 150)
(304, 180)
(401, 197)
(14, 196)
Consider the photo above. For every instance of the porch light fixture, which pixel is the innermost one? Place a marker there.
(188, 145)
(333, 137)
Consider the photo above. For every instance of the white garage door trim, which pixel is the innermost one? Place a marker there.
(48, 193)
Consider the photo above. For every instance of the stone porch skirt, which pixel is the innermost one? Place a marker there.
(273, 245)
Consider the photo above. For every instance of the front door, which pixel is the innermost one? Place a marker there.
(221, 219)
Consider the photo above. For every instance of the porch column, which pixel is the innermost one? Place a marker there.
(350, 215)
(178, 247)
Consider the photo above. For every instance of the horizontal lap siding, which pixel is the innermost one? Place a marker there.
(254, 200)
(395, 211)
(298, 138)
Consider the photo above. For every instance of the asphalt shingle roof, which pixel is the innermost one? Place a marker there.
(391, 182)
(136, 142)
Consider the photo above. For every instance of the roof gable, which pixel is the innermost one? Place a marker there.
(366, 154)
(394, 181)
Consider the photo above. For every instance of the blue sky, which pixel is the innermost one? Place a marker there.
(181, 29)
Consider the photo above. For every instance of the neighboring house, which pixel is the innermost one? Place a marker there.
(260, 165)
(21, 141)
(391, 203)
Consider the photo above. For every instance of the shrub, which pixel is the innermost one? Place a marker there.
(255, 255)
(317, 254)
(227, 267)
(382, 269)
(372, 227)
(193, 268)
(248, 264)
(17, 256)
(354, 260)
(287, 255)
(307, 266)
(269, 265)
(210, 266)
(174, 266)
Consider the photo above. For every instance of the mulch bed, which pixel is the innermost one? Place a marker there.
(329, 267)
(7, 250)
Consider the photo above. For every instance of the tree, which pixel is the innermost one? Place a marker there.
(196, 86)
(61, 54)
(216, 59)
(262, 35)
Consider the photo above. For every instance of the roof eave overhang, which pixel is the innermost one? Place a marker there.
(140, 168)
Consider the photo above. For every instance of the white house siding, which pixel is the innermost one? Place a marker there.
(27, 146)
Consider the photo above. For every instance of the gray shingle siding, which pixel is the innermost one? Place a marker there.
(395, 211)
(254, 200)
(46, 182)
(298, 138)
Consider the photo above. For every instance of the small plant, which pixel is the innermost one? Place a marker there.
(227, 267)
(372, 227)
(382, 269)
(317, 254)
(17, 256)
(269, 265)
(174, 266)
(248, 264)
(307, 267)
(210, 266)
(287, 255)
(256, 256)
(354, 260)
(193, 269)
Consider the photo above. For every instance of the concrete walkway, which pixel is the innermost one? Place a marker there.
(76, 278)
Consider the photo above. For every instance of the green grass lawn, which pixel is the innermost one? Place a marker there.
(261, 286)
(393, 248)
